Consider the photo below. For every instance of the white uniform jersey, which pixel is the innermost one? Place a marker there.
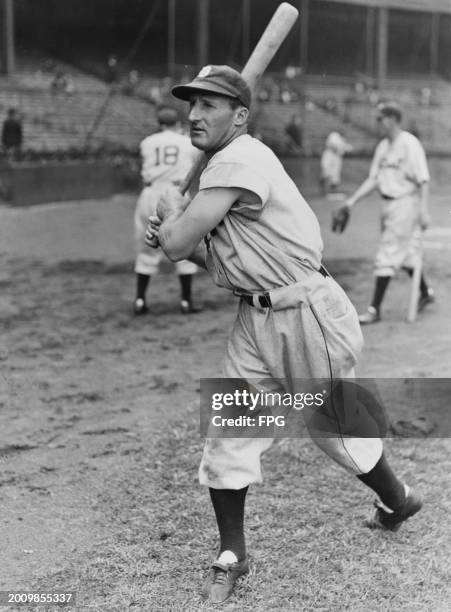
(167, 156)
(264, 245)
(399, 167)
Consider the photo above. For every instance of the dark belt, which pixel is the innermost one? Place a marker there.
(387, 197)
(264, 299)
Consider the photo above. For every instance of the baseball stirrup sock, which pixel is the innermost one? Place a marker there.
(383, 481)
(228, 505)
(185, 285)
(142, 282)
(379, 291)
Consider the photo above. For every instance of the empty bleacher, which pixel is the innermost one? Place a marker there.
(91, 113)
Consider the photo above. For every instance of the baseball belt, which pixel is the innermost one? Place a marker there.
(263, 299)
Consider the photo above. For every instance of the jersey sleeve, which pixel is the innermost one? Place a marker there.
(418, 163)
(376, 162)
(235, 174)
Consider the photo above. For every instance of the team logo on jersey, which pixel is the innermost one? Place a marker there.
(205, 71)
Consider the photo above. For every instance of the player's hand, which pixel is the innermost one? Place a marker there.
(424, 219)
(153, 227)
(171, 203)
(340, 218)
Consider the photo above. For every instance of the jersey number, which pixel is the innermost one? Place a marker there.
(167, 155)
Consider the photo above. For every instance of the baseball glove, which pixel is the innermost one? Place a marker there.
(340, 219)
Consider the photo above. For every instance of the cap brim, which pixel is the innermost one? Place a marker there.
(184, 92)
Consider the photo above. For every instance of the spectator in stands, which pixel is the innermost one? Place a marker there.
(332, 161)
(12, 133)
(111, 74)
(425, 96)
(285, 93)
(70, 85)
(293, 131)
(59, 82)
(131, 83)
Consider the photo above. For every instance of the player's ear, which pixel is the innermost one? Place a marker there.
(241, 116)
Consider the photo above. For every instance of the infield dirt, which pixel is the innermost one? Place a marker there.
(99, 440)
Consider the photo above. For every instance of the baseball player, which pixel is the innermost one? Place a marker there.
(399, 171)
(166, 158)
(332, 161)
(262, 241)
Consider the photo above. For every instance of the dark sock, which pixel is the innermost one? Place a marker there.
(379, 291)
(142, 282)
(424, 289)
(384, 482)
(185, 285)
(229, 509)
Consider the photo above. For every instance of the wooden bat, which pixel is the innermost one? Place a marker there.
(415, 285)
(275, 33)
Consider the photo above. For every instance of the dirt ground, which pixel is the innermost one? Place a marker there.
(99, 440)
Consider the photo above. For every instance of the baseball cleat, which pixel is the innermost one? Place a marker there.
(370, 316)
(424, 300)
(188, 307)
(392, 521)
(221, 579)
(139, 307)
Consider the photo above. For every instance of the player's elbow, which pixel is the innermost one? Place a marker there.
(174, 256)
(176, 252)
(177, 242)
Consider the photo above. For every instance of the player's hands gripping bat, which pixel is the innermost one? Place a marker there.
(275, 33)
(340, 218)
(171, 204)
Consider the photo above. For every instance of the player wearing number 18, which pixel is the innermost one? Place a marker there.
(167, 156)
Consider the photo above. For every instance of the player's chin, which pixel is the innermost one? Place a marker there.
(199, 139)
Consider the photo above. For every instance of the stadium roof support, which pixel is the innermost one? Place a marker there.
(382, 45)
(203, 11)
(246, 30)
(8, 54)
(171, 37)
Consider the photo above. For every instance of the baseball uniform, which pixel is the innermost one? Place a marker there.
(332, 159)
(399, 167)
(311, 330)
(167, 157)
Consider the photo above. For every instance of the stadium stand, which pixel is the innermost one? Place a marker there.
(91, 113)
(61, 118)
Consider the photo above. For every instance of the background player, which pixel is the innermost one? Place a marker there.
(399, 171)
(332, 161)
(166, 158)
(294, 321)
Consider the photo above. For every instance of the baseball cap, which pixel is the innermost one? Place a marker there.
(221, 80)
(389, 109)
(166, 115)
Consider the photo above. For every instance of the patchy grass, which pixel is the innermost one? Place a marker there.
(103, 409)
(309, 549)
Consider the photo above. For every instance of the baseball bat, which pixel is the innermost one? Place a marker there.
(415, 286)
(275, 33)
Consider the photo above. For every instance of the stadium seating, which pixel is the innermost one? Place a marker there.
(65, 108)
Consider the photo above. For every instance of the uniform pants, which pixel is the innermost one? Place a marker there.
(400, 241)
(312, 331)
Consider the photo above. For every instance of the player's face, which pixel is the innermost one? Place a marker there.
(212, 121)
(384, 125)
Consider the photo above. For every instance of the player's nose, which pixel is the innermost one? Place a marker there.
(194, 113)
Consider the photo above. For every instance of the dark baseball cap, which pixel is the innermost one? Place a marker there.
(166, 115)
(389, 109)
(221, 80)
